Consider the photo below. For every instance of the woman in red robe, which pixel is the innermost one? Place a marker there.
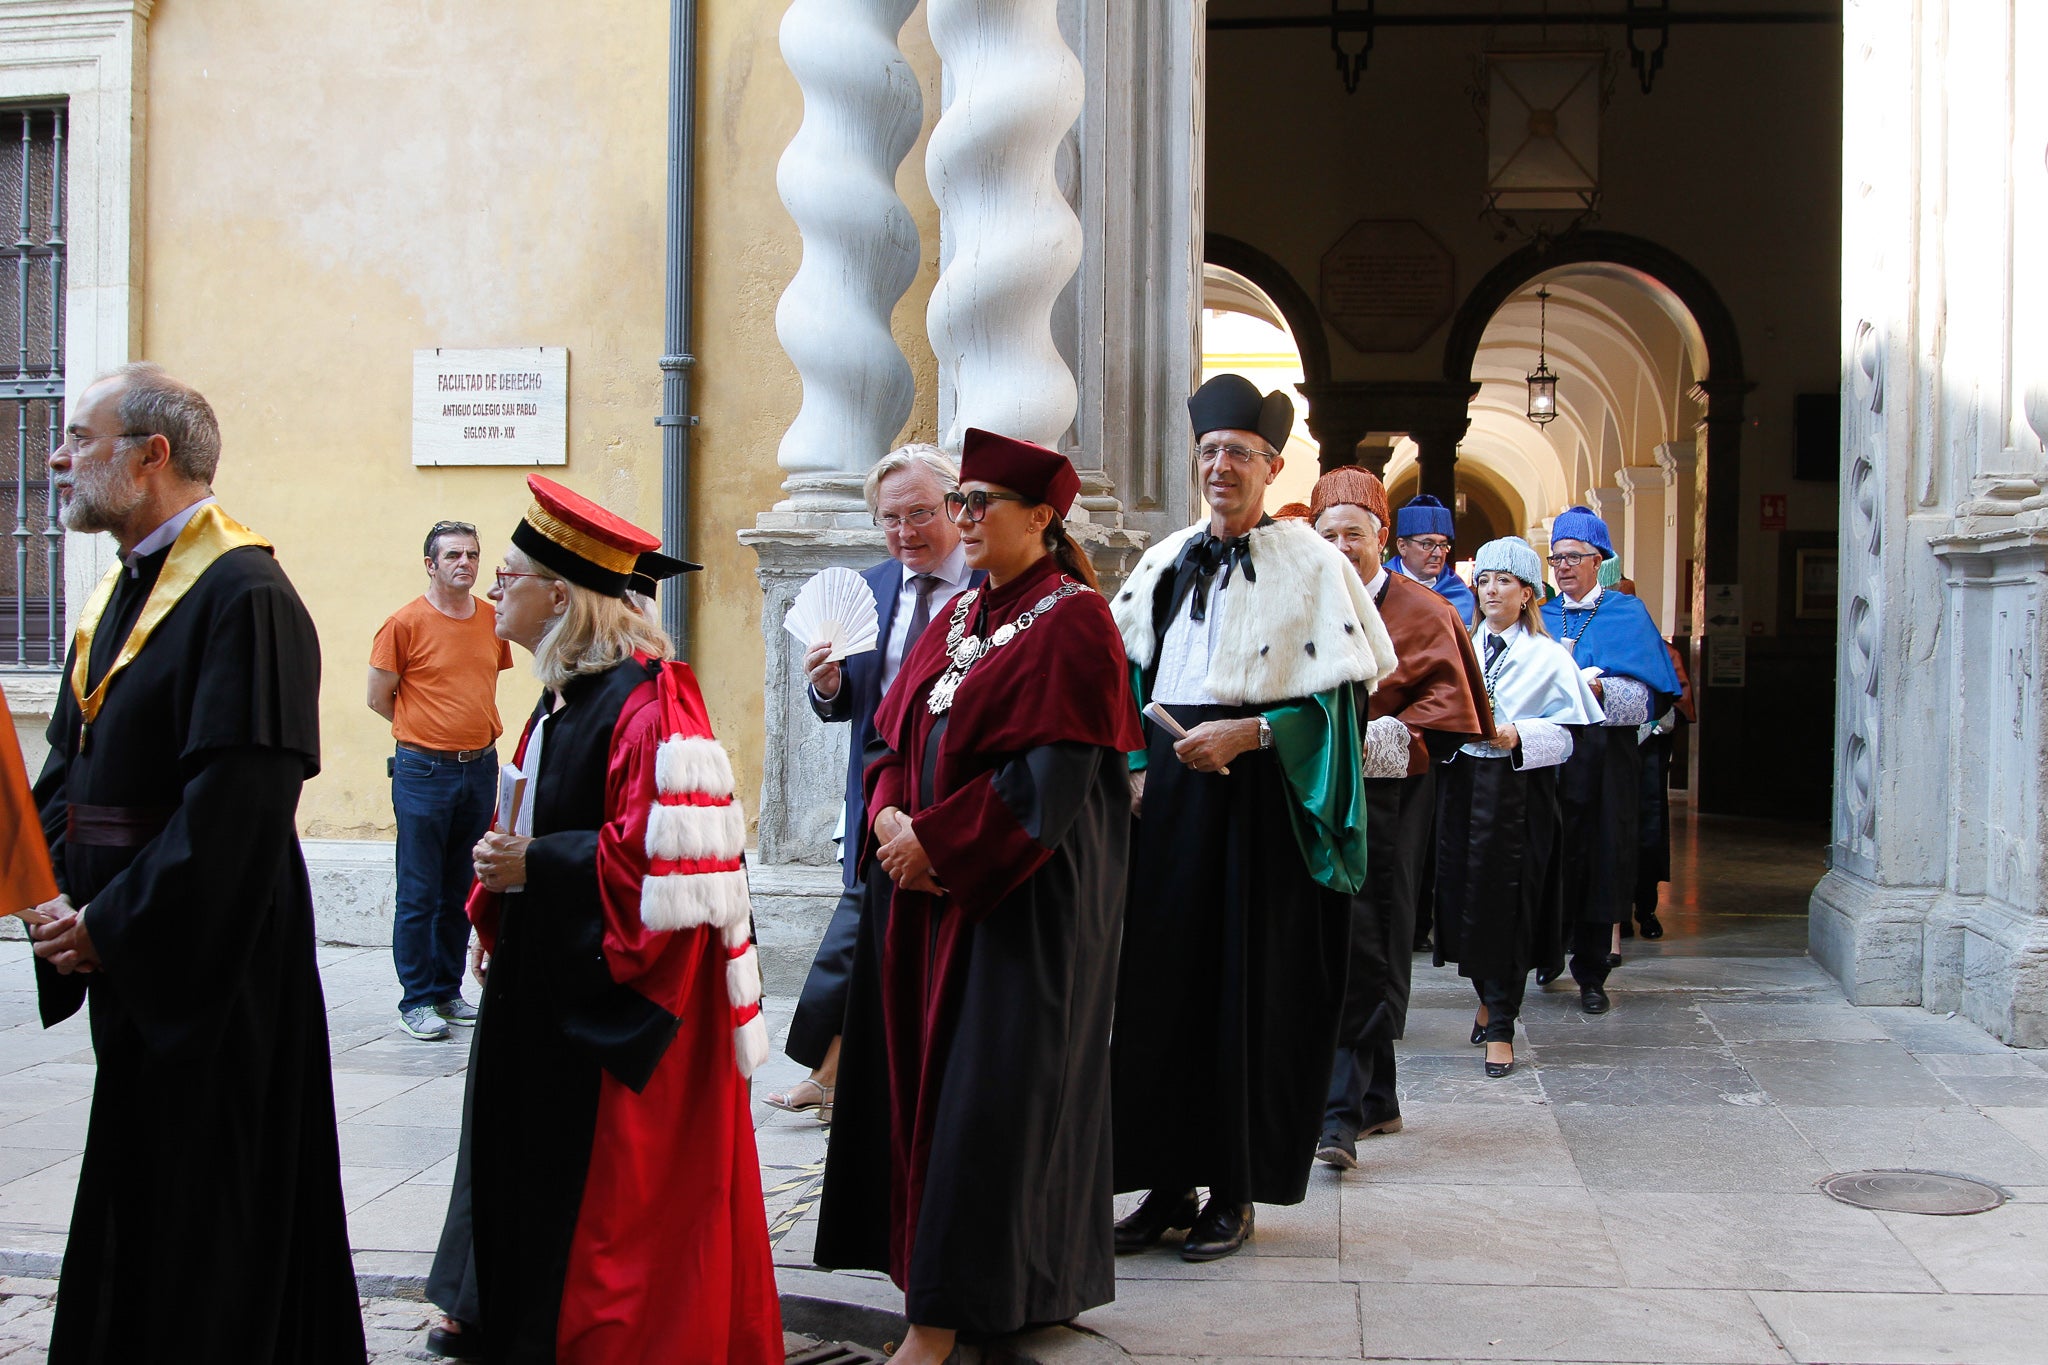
(970, 1154)
(617, 1195)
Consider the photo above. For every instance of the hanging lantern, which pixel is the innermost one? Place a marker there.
(1542, 382)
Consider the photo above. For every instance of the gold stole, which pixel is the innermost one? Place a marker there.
(210, 534)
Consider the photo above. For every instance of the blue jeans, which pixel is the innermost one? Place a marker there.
(443, 808)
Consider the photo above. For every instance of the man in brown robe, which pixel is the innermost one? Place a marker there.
(1431, 704)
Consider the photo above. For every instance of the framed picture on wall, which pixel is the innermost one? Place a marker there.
(1814, 584)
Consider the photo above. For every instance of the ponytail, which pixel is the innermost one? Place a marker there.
(1073, 560)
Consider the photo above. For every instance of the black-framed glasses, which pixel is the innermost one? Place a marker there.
(1433, 544)
(1570, 560)
(915, 517)
(1209, 453)
(975, 504)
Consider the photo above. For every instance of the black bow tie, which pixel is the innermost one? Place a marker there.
(1201, 560)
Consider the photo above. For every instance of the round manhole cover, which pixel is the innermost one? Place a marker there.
(1913, 1192)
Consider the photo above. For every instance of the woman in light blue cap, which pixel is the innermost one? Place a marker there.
(1499, 888)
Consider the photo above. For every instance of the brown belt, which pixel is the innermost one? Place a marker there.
(115, 826)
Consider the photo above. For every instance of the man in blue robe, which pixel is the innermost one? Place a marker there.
(1619, 651)
(1423, 539)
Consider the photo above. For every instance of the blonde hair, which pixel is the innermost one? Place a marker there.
(916, 455)
(1532, 610)
(593, 633)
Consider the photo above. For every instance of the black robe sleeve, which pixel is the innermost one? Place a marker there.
(180, 919)
(561, 874)
(260, 686)
(986, 839)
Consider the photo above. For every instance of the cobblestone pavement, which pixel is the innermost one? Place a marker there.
(1641, 1189)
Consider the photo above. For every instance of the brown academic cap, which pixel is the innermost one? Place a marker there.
(1352, 484)
(1230, 402)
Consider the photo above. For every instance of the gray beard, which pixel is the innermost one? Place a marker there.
(102, 502)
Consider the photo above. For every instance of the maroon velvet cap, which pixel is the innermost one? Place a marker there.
(1022, 467)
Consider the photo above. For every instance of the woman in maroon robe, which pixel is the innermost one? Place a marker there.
(970, 1154)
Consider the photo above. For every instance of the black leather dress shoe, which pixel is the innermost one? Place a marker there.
(468, 1344)
(1613, 961)
(1592, 1000)
(1221, 1230)
(1157, 1213)
(1652, 926)
(1546, 975)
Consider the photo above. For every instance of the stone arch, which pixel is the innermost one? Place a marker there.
(1719, 393)
(1692, 289)
(1304, 320)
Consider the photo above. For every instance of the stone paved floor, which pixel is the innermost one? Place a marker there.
(1640, 1190)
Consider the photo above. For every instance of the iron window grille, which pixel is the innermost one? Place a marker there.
(32, 189)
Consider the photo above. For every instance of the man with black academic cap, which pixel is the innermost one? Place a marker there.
(1250, 639)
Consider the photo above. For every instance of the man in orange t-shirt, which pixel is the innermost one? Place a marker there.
(434, 675)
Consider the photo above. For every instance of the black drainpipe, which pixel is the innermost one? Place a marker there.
(676, 360)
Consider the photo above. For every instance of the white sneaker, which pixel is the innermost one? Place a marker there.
(423, 1023)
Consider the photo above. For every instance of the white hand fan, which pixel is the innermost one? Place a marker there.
(838, 607)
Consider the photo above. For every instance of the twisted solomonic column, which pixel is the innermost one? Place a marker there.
(837, 178)
(1010, 239)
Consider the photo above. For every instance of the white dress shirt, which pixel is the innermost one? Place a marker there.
(1182, 678)
(952, 574)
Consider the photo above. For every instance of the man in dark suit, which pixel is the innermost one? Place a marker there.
(926, 568)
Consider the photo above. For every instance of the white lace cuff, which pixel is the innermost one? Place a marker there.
(1625, 700)
(1386, 747)
(1545, 744)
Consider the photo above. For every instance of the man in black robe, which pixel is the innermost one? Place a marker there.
(1258, 639)
(209, 1221)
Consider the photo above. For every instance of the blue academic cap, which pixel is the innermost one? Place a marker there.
(1579, 523)
(1423, 515)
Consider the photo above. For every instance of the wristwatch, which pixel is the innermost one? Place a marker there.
(1265, 734)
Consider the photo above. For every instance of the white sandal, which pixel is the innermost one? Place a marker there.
(788, 1105)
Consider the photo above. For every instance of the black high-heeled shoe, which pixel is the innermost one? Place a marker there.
(1478, 1034)
(1496, 1070)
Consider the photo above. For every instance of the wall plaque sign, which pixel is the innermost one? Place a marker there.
(1388, 284)
(499, 405)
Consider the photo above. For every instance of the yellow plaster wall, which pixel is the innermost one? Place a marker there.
(329, 187)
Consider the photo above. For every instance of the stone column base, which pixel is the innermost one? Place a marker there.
(1976, 957)
(793, 903)
(1870, 938)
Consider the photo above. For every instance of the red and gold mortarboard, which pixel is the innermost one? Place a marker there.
(579, 540)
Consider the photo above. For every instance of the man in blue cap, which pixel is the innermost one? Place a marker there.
(1620, 653)
(1423, 537)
